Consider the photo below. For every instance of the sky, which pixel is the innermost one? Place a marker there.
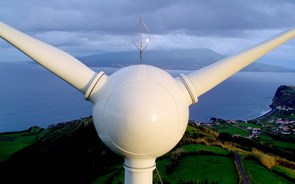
(86, 27)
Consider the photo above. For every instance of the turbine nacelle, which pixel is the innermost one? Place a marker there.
(141, 111)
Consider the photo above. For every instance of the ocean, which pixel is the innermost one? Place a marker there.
(30, 95)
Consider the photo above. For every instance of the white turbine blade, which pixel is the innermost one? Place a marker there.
(201, 81)
(55, 60)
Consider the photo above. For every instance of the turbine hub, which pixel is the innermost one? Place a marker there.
(140, 112)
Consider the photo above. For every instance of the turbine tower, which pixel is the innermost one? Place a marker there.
(140, 111)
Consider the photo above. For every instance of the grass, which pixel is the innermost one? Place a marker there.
(231, 130)
(191, 130)
(265, 138)
(280, 144)
(261, 175)
(116, 175)
(198, 147)
(161, 166)
(201, 168)
(191, 168)
(284, 170)
(119, 178)
(245, 125)
(13, 142)
(284, 145)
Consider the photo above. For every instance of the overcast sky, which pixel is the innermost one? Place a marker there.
(84, 27)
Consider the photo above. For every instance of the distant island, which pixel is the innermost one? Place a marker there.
(181, 59)
(261, 150)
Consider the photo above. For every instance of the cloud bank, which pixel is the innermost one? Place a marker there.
(92, 26)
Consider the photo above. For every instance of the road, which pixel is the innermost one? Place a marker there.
(245, 179)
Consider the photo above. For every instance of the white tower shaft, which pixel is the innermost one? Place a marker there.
(142, 176)
(141, 172)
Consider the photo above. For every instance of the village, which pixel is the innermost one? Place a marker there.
(279, 122)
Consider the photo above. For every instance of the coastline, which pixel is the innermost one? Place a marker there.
(267, 114)
(263, 114)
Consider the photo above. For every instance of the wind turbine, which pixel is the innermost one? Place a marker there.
(140, 111)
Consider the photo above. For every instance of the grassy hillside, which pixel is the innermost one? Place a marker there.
(72, 153)
(14, 141)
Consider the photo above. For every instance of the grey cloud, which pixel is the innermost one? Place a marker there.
(226, 17)
(118, 17)
(82, 26)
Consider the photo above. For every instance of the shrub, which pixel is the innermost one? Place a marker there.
(174, 160)
(264, 159)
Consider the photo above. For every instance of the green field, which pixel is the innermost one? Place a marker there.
(284, 145)
(201, 168)
(245, 125)
(191, 168)
(265, 138)
(198, 147)
(231, 130)
(280, 144)
(284, 170)
(195, 130)
(196, 163)
(13, 142)
(261, 175)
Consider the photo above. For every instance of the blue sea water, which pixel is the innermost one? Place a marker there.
(30, 95)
